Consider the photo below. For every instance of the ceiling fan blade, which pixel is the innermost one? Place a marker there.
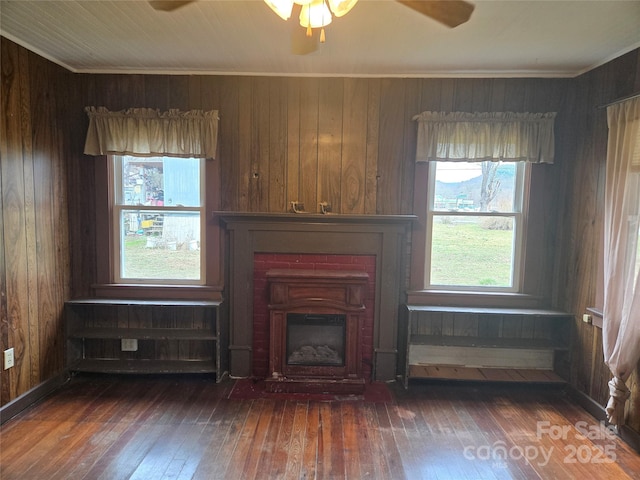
(300, 43)
(168, 5)
(449, 12)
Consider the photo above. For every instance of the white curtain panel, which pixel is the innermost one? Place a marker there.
(621, 323)
(151, 133)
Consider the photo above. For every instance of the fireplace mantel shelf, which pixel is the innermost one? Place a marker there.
(228, 217)
(331, 275)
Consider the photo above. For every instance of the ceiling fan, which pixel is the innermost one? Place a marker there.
(448, 12)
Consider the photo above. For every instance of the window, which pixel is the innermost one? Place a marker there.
(158, 213)
(475, 225)
(472, 181)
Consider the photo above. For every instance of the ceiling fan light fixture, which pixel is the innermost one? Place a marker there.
(315, 15)
(282, 8)
(341, 7)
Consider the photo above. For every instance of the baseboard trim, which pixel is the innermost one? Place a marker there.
(17, 405)
(629, 436)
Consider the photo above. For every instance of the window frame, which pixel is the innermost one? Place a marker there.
(519, 215)
(117, 206)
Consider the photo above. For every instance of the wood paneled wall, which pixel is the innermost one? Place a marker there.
(34, 239)
(581, 221)
(346, 141)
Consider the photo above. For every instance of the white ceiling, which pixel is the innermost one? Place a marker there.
(377, 38)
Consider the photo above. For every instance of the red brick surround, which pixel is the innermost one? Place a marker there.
(267, 261)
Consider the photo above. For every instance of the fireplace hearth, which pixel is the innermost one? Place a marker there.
(315, 321)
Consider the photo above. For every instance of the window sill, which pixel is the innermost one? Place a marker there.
(157, 292)
(474, 299)
(596, 316)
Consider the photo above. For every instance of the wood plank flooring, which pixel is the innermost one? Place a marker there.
(122, 427)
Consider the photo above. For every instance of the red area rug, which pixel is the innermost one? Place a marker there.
(249, 389)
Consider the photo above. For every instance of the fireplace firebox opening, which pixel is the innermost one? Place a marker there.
(315, 339)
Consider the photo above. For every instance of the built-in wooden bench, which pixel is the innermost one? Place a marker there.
(169, 336)
(481, 343)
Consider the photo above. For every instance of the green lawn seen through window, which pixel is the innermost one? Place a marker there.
(159, 263)
(467, 254)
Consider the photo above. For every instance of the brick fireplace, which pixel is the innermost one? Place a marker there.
(257, 243)
(266, 262)
(319, 329)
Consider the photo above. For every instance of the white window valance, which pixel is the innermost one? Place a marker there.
(479, 137)
(150, 133)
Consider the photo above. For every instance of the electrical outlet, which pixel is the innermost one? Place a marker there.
(586, 318)
(129, 345)
(9, 359)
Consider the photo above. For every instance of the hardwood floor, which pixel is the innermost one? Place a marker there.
(110, 427)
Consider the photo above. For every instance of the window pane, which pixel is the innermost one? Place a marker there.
(472, 251)
(475, 187)
(160, 181)
(160, 245)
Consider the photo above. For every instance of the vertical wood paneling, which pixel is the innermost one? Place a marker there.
(430, 95)
(260, 145)
(80, 173)
(481, 96)
(195, 94)
(309, 91)
(156, 94)
(46, 169)
(373, 152)
(244, 159)
(330, 128)
(228, 151)
(13, 193)
(293, 141)
(390, 150)
(206, 93)
(513, 95)
(354, 146)
(9, 137)
(132, 91)
(447, 94)
(277, 181)
(33, 202)
(35, 262)
(5, 392)
(633, 406)
(412, 102)
(53, 332)
(463, 94)
(497, 94)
